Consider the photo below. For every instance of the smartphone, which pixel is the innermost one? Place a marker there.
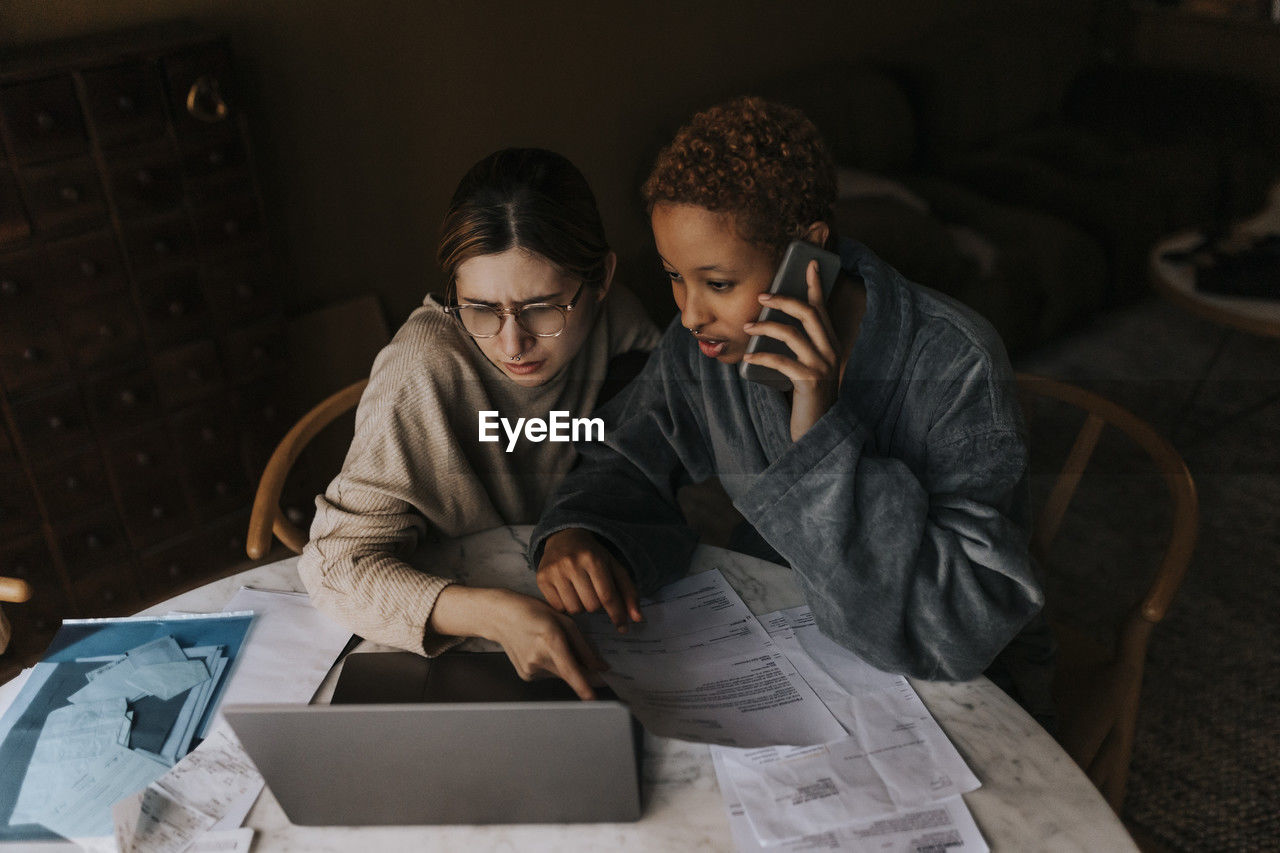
(790, 280)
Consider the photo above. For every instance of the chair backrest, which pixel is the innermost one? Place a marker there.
(17, 591)
(1096, 688)
(267, 516)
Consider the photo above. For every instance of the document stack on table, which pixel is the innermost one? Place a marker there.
(98, 761)
(114, 705)
(813, 748)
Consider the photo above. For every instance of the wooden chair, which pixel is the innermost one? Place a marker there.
(267, 517)
(1096, 689)
(13, 590)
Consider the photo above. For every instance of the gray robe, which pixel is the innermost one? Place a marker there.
(904, 511)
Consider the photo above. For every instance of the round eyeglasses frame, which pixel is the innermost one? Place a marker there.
(502, 313)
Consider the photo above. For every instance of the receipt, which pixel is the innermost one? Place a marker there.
(702, 668)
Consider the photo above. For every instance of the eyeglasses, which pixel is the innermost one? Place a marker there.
(540, 319)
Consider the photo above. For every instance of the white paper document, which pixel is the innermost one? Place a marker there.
(945, 825)
(895, 757)
(702, 668)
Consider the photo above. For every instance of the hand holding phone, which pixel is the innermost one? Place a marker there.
(794, 341)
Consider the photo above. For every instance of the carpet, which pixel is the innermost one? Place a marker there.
(1206, 760)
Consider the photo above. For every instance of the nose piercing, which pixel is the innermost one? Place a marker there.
(516, 358)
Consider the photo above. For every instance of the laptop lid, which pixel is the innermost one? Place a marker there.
(445, 762)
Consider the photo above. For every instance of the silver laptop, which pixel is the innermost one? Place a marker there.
(416, 755)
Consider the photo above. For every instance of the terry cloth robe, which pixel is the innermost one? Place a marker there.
(416, 469)
(904, 511)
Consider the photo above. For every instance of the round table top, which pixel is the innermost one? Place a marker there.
(1033, 796)
(1177, 282)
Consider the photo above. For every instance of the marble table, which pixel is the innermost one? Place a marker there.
(1033, 797)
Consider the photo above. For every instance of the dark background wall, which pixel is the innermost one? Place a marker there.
(366, 114)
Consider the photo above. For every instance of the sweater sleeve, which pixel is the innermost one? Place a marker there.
(624, 489)
(921, 572)
(374, 513)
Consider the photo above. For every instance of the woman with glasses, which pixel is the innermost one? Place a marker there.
(529, 326)
(892, 476)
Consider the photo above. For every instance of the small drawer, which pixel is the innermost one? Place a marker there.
(124, 398)
(188, 374)
(145, 180)
(155, 511)
(209, 430)
(108, 591)
(228, 226)
(160, 245)
(31, 352)
(125, 103)
(85, 267)
(174, 566)
(174, 308)
(18, 511)
(65, 197)
(216, 155)
(225, 540)
(201, 90)
(91, 541)
(21, 291)
(141, 458)
(14, 225)
(102, 329)
(74, 484)
(44, 119)
(255, 350)
(52, 421)
(218, 485)
(28, 558)
(240, 289)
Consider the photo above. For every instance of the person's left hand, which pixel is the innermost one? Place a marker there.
(815, 371)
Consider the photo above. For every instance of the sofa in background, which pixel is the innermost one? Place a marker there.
(1028, 183)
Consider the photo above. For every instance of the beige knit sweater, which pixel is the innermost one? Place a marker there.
(416, 469)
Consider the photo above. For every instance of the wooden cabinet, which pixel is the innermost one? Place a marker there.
(140, 335)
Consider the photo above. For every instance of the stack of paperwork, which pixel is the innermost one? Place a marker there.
(114, 705)
(813, 748)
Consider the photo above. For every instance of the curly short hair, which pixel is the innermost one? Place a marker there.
(760, 161)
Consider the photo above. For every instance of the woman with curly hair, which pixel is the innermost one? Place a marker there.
(892, 478)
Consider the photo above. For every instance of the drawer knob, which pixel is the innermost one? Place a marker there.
(231, 227)
(88, 268)
(221, 488)
(72, 483)
(93, 541)
(157, 512)
(45, 121)
(9, 287)
(204, 100)
(32, 355)
(208, 435)
(142, 458)
(177, 309)
(216, 157)
(56, 422)
(69, 194)
(106, 332)
(126, 104)
(128, 398)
